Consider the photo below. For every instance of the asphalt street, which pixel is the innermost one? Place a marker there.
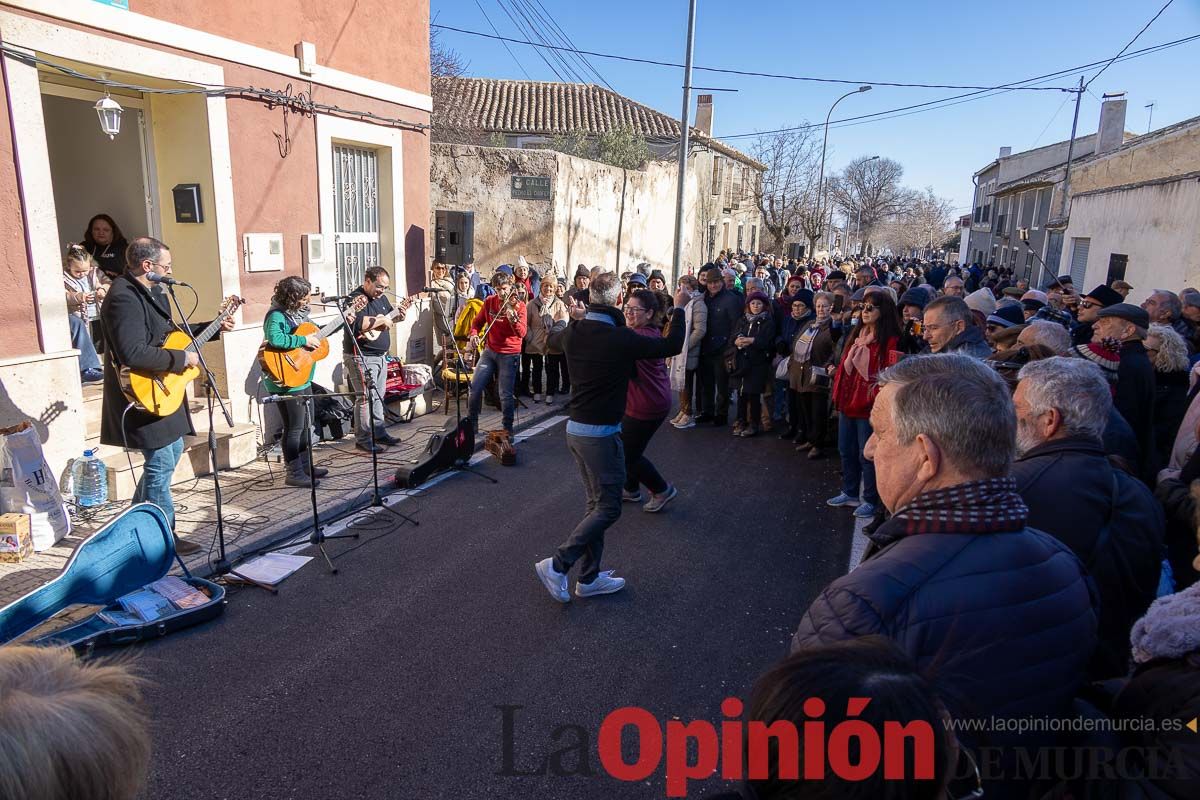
(388, 679)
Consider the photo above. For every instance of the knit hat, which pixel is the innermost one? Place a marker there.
(981, 300)
(657, 273)
(915, 296)
(582, 272)
(835, 275)
(638, 279)
(1128, 312)
(1105, 296)
(804, 296)
(766, 301)
(505, 268)
(521, 262)
(1170, 627)
(1006, 317)
(1107, 360)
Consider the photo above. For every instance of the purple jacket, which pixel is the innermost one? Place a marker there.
(649, 393)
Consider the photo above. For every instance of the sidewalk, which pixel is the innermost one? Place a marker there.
(258, 507)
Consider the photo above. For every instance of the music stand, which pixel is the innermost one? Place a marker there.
(222, 566)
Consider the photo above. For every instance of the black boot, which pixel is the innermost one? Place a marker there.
(296, 476)
(310, 470)
(790, 433)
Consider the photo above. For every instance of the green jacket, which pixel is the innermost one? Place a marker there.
(277, 332)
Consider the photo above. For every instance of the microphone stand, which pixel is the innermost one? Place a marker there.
(222, 567)
(370, 392)
(461, 461)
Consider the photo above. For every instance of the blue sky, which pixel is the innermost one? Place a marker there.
(918, 41)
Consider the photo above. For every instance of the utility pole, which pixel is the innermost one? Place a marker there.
(1062, 208)
(677, 265)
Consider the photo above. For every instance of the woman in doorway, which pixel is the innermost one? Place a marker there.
(647, 403)
(105, 243)
(289, 309)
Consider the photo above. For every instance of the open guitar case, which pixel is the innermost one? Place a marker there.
(133, 550)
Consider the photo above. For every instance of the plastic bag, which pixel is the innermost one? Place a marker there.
(27, 486)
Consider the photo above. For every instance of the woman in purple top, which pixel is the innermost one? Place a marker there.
(647, 404)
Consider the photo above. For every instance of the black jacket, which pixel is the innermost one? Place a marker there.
(1134, 398)
(1170, 404)
(600, 361)
(757, 354)
(135, 322)
(724, 310)
(1111, 521)
(1002, 622)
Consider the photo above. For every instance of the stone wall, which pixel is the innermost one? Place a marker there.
(1173, 154)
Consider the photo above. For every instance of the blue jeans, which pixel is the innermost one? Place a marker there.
(852, 438)
(81, 340)
(780, 401)
(155, 484)
(489, 364)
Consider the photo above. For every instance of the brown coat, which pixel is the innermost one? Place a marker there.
(800, 376)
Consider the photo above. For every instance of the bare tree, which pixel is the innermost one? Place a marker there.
(444, 61)
(923, 225)
(869, 189)
(787, 194)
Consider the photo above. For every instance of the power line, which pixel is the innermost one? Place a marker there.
(534, 28)
(1130, 44)
(491, 25)
(566, 40)
(517, 25)
(1053, 117)
(726, 71)
(979, 95)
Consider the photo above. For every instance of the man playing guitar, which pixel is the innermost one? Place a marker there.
(503, 317)
(136, 318)
(368, 374)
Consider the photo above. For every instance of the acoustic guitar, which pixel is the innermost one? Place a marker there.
(162, 393)
(394, 315)
(290, 368)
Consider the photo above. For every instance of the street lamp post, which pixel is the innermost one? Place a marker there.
(825, 144)
(677, 260)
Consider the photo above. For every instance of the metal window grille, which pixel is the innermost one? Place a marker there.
(355, 214)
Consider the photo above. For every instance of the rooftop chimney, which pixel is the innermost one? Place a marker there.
(704, 114)
(1005, 152)
(1111, 132)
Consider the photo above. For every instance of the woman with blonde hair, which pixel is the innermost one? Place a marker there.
(1168, 353)
(85, 286)
(69, 729)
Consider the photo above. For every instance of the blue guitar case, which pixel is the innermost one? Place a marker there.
(133, 550)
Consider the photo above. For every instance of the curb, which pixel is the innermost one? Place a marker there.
(341, 508)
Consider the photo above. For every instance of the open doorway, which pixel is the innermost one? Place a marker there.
(91, 174)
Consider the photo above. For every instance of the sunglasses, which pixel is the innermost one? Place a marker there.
(1088, 304)
(869, 307)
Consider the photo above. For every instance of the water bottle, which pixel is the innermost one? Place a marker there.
(90, 479)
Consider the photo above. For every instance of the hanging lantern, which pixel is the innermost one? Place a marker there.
(109, 112)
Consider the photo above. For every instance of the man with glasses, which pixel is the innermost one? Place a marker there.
(949, 327)
(136, 317)
(1089, 306)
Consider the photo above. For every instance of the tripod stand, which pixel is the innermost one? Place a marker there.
(222, 566)
(317, 536)
(371, 393)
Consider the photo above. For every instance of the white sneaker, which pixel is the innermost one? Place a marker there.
(632, 497)
(537, 397)
(605, 583)
(657, 501)
(685, 422)
(549, 399)
(554, 581)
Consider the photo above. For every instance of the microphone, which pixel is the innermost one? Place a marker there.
(332, 298)
(166, 280)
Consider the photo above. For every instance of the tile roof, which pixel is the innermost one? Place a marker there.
(547, 108)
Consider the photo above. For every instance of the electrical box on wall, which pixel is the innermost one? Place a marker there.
(314, 248)
(264, 252)
(187, 203)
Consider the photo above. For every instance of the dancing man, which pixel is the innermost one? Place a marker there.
(503, 317)
(601, 353)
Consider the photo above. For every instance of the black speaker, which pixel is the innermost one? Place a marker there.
(447, 447)
(454, 237)
(796, 251)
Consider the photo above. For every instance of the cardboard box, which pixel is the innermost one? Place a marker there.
(16, 541)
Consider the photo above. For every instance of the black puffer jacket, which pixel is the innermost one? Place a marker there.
(1002, 622)
(1110, 521)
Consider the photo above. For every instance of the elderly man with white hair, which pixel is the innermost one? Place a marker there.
(999, 613)
(1107, 517)
(1048, 334)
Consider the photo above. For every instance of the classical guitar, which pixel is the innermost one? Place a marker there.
(161, 393)
(290, 368)
(394, 315)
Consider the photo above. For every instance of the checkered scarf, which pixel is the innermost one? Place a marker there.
(985, 506)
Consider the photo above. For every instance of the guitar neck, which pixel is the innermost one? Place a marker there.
(328, 330)
(209, 332)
